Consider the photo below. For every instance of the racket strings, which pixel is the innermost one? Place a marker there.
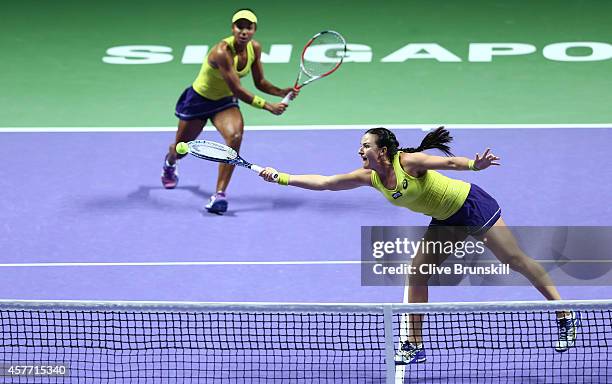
(324, 54)
(213, 150)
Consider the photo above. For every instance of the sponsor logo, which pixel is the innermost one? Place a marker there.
(574, 51)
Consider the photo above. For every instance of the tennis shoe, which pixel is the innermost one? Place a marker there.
(217, 203)
(169, 176)
(568, 330)
(409, 354)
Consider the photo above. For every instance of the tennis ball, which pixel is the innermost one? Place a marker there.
(182, 148)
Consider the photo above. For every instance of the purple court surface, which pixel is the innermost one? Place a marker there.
(93, 202)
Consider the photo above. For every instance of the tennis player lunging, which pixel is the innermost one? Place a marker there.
(214, 95)
(408, 178)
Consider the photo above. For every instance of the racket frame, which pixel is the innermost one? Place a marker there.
(311, 78)
(235, 160)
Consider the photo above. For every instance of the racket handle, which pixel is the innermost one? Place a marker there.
(258, 169)
(287, 98)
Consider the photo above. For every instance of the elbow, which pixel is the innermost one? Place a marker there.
(453, 164)
(325, 184)
(334, 185)
(260, 86)
(240, 93)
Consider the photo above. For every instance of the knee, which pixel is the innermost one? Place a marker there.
(234, 138)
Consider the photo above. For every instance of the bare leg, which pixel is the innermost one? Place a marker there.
(418, 288)
(231, 126)
(187, 130)
(501, 241)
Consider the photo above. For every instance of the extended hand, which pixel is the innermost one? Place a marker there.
(268, 174)
(486, 160)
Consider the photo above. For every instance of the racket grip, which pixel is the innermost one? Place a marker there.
(287, 98)
(256, 168)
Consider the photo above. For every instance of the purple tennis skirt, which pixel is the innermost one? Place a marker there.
(478, 213)
(191, 105)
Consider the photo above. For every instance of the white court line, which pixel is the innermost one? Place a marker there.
(401, 369)
(212, 263)
(424, 127)
(177, 263)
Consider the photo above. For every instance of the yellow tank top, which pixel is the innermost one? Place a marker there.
(433, 194)
(211, 84)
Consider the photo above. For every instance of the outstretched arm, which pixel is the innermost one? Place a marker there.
(355, 179)
(420, 162)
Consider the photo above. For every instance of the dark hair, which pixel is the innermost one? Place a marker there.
(437, 139)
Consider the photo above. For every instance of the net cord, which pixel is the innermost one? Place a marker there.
(267, 307)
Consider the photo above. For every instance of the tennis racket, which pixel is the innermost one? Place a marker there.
(220, 153)
(314, 63)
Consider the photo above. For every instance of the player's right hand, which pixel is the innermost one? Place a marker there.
(276, 108)
(294, 91)
(268, 174)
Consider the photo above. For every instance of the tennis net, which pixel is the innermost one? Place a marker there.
(142, 342)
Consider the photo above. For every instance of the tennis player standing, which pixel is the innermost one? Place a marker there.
(214, 96)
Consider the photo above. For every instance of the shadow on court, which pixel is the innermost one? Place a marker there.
(105, 210)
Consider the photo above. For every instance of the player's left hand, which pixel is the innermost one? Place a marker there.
(276, 108)
(486, 160)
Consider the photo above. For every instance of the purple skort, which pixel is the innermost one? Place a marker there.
(478, 213)
(191, 105)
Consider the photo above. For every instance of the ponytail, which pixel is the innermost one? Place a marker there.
(437, 139)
